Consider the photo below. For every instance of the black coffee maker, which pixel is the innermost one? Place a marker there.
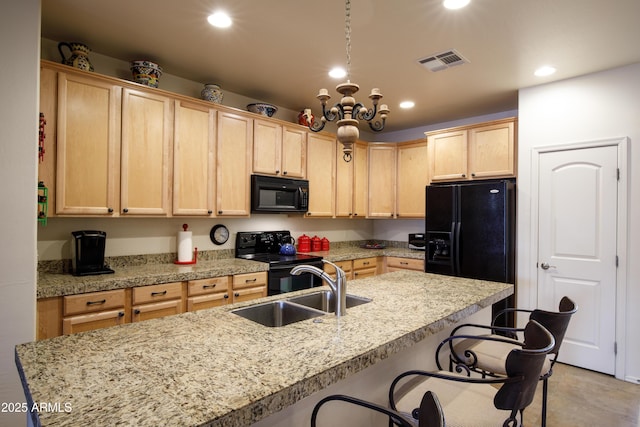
(88, 257)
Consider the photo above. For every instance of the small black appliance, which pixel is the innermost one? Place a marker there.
(88, 253)
(417, 241)
(270, 194)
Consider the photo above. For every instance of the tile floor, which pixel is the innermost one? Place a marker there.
(578, 397)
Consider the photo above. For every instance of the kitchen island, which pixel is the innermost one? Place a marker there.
(215, 368)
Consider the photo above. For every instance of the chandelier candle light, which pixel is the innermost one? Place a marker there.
(348, 112)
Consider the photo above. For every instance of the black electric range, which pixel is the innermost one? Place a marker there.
(264, 246)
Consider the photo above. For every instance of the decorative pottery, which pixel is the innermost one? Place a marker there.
(146, 72)
(262, 108)
(305, 118)
(79, 55)
(212, 93)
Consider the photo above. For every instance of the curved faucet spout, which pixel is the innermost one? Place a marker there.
(338, 286)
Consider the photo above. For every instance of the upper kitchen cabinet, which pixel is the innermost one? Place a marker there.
(321, 155)
(234, 154)
(382, 180)
(412, 178)
(87, 143)
(147, 125)
(278, 149)
(351, 183)
(481, 151)
(194, 159)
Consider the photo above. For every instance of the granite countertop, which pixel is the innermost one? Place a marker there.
(214, 368)
(54, 284)
(61, 284)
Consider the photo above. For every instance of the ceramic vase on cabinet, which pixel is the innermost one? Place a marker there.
(79, 55)
(146, 72)
(212, 93)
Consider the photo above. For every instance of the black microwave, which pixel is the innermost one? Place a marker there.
(272, 194)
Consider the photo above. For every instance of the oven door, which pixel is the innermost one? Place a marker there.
(281, 281)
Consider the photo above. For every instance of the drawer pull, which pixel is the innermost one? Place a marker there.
(136, 311)
(404, 263)
(208, 286)
(226, 296)
(236, 294)
(251, 280)
(158, 294)
(121, 314)
(90, 303)
(365, 263)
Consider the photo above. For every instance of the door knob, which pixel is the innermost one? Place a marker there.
(546, 266)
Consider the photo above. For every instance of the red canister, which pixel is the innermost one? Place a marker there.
(304, 243)
(316, 244)
(325, 244)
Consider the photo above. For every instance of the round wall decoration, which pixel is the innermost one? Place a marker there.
(219, 234)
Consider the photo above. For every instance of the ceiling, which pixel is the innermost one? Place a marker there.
(280, 51)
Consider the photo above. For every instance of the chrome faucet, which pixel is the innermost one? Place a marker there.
(338, 286)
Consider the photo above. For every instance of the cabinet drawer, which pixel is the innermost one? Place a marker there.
(166, 291)
(208, 286)
(405, 263)
(364, 272)
(249, 280)
(364, 263)
(94, 301)
(344, 265)
(89, 322)
(155, 310)
(207, 301)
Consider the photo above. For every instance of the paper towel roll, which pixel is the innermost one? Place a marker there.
(185, 246)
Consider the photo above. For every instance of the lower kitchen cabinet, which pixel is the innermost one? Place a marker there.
(346, 266)
(150, 302)
(365, 267)
(208, 293)
(95, 310)
(248, 286)
(396, 263)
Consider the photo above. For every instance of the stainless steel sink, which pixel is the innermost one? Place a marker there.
(325, 301)
(277, 313)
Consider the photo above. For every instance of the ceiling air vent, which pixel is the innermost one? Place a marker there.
(442, 61)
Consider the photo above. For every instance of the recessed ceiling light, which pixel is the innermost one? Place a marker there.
(407, 104)
(455, 4)
(337, 73)
(546, 70)
(219, 20)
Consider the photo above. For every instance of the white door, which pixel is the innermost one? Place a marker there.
(577, 225)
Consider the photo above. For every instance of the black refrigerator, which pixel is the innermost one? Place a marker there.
(470, 232)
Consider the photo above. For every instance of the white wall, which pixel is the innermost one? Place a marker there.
(593, 107)
(19, 77)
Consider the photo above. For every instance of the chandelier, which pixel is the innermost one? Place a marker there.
(348, 112)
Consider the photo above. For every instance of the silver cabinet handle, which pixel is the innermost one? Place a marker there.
(546, 266)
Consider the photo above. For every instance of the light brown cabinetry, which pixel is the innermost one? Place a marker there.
(279, 150)
(249, 286)
(351, 183)
(396, 263)
(94, 310)
(87, 145)
(234, 160)
(147, 125)
(150, 302)
(382, 180)
(480, 151)
(346, 266)
(208, 293)
(365, 267)
(194, 159)
(412, 178)
(321, 155)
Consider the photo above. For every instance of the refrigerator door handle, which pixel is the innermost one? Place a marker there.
(456, 248)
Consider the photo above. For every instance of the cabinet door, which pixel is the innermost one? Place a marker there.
(382, 180)
(448, 155)
(147, 122)
(193, 159)
(344, 185)
(202, 302)
(492, 151)
(360, 179)
(234, 159)
(321, 155)
(89, 322)
(248, 294)
(294, 152)
(396, 263)
(267, 147)
(412, 179)
(88, 146)
(155, 310)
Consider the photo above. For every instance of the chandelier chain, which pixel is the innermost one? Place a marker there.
(347, 32)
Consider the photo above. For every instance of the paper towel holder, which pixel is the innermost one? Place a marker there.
(195, 252)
